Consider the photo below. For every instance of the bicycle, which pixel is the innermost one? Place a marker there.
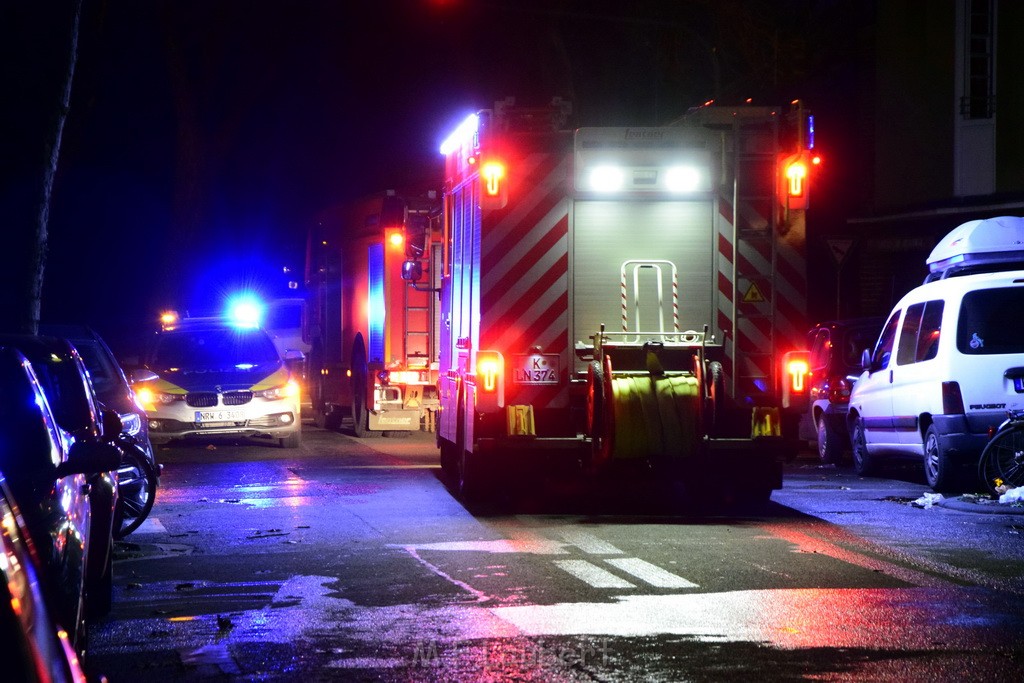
(137, 480)
(1001, 465)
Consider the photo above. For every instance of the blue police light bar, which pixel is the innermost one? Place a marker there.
(245, 310)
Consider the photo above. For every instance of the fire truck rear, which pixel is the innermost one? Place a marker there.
(373, 355)
(623, 297)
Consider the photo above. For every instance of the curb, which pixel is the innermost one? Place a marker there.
(993, 507)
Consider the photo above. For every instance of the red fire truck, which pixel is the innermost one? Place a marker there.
(623, 296)
(373, 354)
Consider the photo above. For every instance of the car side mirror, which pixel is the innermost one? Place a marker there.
(142, 375)
(294, 354)
(412, 271)
(89, 457)
(111, 423)
(865, 360)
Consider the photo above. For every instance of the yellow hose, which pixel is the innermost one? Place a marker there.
(655, 417)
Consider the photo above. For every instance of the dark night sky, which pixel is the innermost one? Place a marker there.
(204, 135)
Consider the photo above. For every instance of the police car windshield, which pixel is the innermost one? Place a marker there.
(214, 349)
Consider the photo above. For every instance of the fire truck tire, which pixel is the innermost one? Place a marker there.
(360, 414)
(449, 457)
(471, 475)
(330, 418)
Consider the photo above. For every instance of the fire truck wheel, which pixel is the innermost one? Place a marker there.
(449, 457)
(471, 481)
(360, 415)
(330, 418)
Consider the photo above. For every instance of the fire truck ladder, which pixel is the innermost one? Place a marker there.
(656, 266)
(755, 140)
(418, 316)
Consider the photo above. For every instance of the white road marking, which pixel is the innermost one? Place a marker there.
(650, 573)
(589, 543)
(150, 525)
(592, 574)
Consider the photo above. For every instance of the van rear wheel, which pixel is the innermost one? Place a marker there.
(940, 470)
(863, 463)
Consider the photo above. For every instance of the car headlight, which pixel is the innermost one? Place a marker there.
(146, 396)
(131, 423)
(287, 390)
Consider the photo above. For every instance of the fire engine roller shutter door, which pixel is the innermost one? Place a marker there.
(607, 233)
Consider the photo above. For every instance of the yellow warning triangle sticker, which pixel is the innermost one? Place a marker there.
(753, 295)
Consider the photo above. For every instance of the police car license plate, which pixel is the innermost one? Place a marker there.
(535, 368)
(220, 416)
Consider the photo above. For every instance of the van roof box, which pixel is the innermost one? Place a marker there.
(978, 246)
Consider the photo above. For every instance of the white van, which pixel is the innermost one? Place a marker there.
(949, 362)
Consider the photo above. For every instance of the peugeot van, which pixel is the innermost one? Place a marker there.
(949, 362)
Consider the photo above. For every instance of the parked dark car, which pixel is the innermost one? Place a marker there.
(108, 379)
(65, 381)
(36, 648)
(137, 481)
(835, 358)
(48, 471)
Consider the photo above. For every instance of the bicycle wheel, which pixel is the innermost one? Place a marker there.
(1002, 461)
(136, 490)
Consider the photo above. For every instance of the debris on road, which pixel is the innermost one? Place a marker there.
(928, 500)
(1012, 496)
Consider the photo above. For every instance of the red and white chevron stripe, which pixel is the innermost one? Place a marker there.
(783, 287)
(524, 266)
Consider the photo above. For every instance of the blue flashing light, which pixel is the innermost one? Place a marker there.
(465, 131)
(375, 301)
(245, 310)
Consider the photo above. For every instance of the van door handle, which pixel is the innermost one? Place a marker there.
(890, 377)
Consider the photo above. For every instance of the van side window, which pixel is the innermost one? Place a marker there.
(931, 328)
(883, 349)
(919, 336)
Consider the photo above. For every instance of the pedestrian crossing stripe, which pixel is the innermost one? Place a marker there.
(593, 575)
(598, 577)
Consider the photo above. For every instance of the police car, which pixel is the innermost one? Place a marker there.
(213, 377)
(949, 362)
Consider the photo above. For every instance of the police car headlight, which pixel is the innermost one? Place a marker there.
(131, 423)
(147, 397)
(286, 390)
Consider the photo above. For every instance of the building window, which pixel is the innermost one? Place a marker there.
(978, 101)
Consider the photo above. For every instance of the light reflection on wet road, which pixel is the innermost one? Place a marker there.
(335, 568)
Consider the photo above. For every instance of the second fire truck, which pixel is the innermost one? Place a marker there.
(623, 296)
(373, 356)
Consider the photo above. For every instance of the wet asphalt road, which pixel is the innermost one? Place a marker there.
(351, 560)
